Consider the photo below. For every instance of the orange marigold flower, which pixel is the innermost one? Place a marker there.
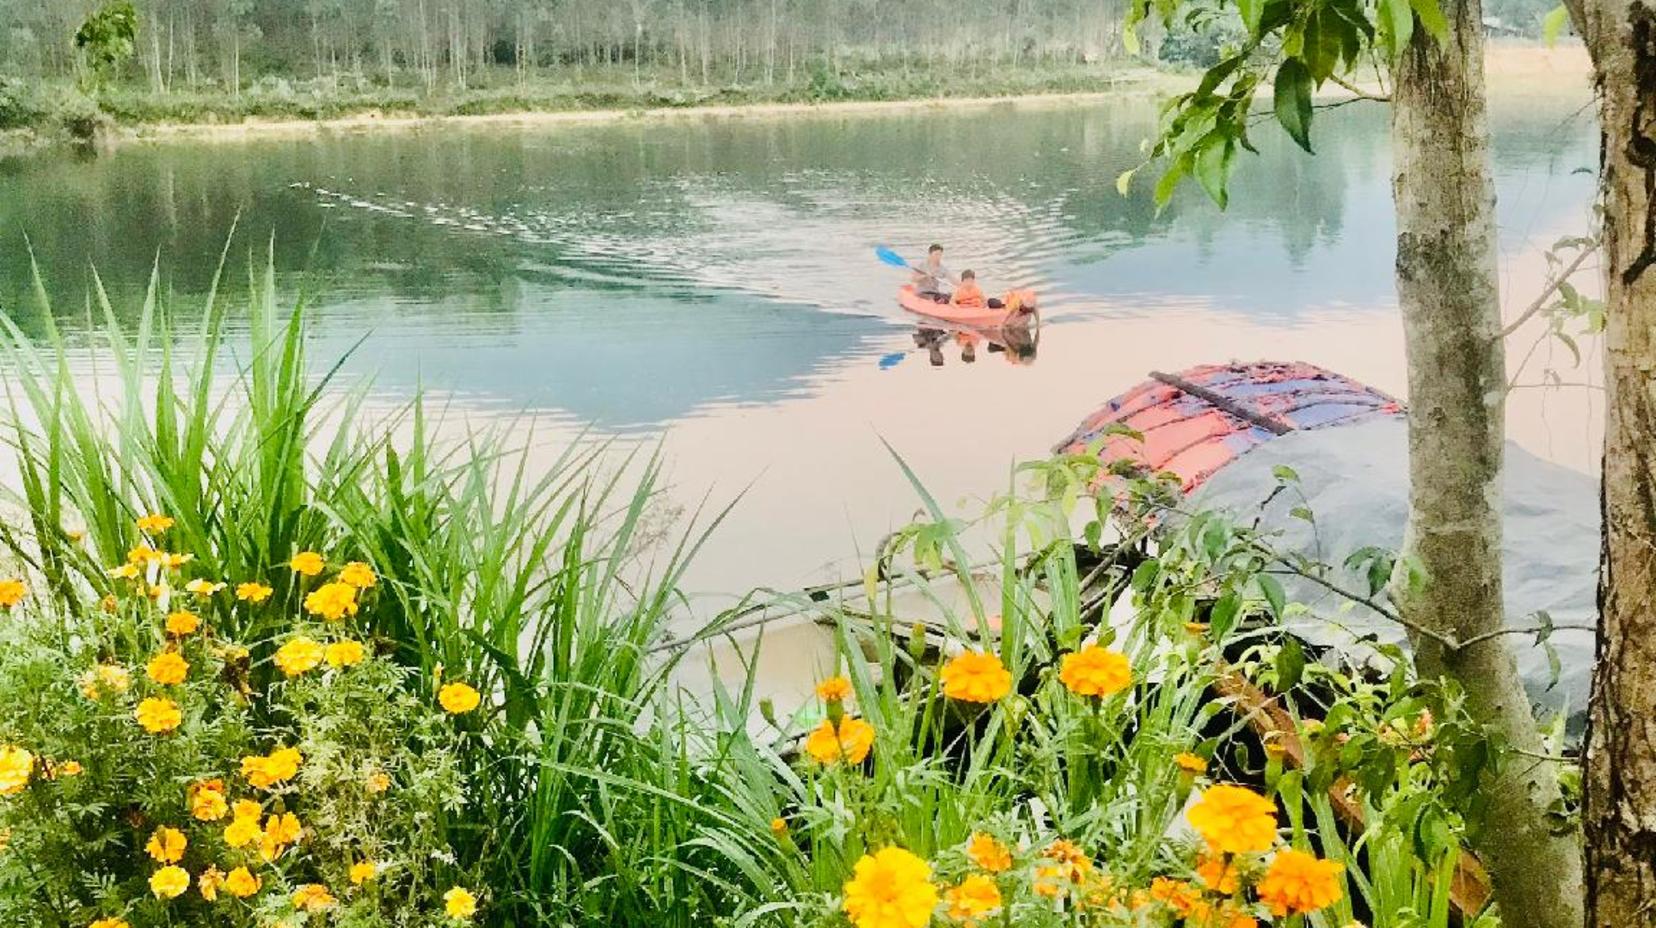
(16, 766)
(207, 801)
(110, 923)
(988, 853)
(890, 888)
(169, 668)
(243, 829)
(332, 601)
(158, 715)
(241, 883)
(975, 897)
(344, 653)
(69, 768)
(276, 767)
(1193, 764)
(253, 592)
(169, 882)
(1094, 671)
(357, 574)
(975, 676)
(458, 698)
(1177, 895)
(313, 897)
(1218, 873)
(12, 592)
(182, 623)
(167, 845)
(1235, 819)
(299, 655)
(1297, 883)
(851, 742)
(306, 563)
(834, 689)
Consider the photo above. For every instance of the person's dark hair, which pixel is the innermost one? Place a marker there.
(968, 274)
(934, 247)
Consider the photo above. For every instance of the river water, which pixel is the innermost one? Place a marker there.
(710, 283)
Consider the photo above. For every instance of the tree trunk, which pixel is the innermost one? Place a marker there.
(1619, 815)
(1447, 290)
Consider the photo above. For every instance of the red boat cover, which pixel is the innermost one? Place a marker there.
(1192, 437)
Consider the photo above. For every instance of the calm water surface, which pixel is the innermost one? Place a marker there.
(712, 281)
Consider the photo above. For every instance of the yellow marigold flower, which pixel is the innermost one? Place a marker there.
(109, 604)
(182, 623)
(975, 897)
(254, 593)
(12, 592)
(124, 572)
(1235, 819)
(247, 808)
(209, 882)
(174, 561)
(154, 523)
(1218, 873)
(299, 655)
(344, 653)
(110, 923)
(834, 689)
(458, 698)
(143, 556)
(1297, 883)
(890, 888)
(105, 679)
(158, 714)
(16, 766)
(313, 897)
(779, 827)
(988, 854)
(851, 742)
(1192, 764)
(202, 587)
(241, 883)
(70, 768)
(284, 828)
(975, 676)
(207, 802)
(169, 668)
(306, 563)
(167, 845)
(169, 882)
(1068, 869)
(276, 767)
(357, 574)
(1093, 671)
(459, 903)
(332, 601)
(243, 830)
(378, 782)
(362, 871)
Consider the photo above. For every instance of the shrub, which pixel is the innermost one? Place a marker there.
(20, 105)
(179, 776)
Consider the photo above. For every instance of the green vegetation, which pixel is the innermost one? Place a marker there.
(1039, 773)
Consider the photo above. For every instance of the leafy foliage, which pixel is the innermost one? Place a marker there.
(107, 39)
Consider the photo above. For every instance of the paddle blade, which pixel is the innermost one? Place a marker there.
(890, 257)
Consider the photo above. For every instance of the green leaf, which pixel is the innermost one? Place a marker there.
(1431, 16)
(1396, 25)
(1213, 163)
(1285, 474)
(1553, 25)
(1290, 665)
(1170, 180)
(1292, 100)
(1271, 588)
(1252, 12)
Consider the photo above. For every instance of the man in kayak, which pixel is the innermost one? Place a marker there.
(931, 277)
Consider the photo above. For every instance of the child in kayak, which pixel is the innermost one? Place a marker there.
(931, 276)
(968, 293)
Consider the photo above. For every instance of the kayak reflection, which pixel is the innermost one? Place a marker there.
(1016, 342)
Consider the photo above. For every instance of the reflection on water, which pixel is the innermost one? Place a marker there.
(714, 280)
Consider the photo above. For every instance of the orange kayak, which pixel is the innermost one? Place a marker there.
(976, 317)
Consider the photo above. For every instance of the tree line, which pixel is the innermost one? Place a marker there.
(228, 43)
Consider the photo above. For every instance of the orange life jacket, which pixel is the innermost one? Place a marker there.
(968, 294)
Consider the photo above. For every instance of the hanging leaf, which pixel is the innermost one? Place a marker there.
(1292, 100)
(1124, 181)
(1271, 588)
(1553, 25)
(1431, 16)
(1213, 164)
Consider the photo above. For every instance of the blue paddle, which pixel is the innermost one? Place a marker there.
(891, 257)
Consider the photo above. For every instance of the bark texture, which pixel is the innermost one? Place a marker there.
(1447, 288)
(1619, 814)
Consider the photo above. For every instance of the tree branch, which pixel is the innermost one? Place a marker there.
(1359, 92)
(1547, 292)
